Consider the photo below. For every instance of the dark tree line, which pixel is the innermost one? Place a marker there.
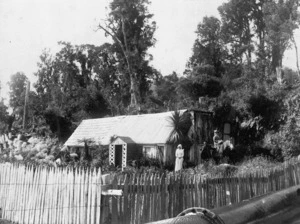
(236, 61)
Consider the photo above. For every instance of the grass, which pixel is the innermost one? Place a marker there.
(2, 221)
(255, 164)
(210, 168)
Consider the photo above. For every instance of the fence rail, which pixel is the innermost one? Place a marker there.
(152, 197)
(49, 196)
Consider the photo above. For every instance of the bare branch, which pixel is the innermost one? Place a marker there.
(124, 34)
(112, 33)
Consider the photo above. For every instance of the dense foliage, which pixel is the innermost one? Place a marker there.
(131, 27)
(235, 70)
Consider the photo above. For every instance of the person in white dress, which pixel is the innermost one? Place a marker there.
(179, 157)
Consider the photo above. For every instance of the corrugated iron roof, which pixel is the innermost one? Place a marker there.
(142, 129)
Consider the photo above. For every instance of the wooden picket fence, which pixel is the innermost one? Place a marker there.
(152, 197)
(47, 195)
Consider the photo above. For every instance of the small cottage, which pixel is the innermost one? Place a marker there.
(131, 137)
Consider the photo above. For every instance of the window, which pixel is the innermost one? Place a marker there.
(150, 151)
(226, 129)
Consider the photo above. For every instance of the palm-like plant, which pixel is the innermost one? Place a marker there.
(181, 124)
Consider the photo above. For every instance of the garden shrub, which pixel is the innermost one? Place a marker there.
(259, 163)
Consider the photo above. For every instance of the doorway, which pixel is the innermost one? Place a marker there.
(118, 155)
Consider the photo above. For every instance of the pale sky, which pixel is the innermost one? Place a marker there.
(29, 26)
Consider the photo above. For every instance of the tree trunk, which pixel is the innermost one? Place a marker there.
(297, 58)
(279, 74)
(133, 91)
(276, 58)
(276, 63)
(134, 101)
(25, 105)
(58, 127)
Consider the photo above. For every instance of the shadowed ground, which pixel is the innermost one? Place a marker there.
(5, 222)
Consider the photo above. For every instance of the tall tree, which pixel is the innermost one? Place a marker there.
(17, 92)
(4, 117)
(206, 65)
(281, 18)
(208, 51)
(166, 89)
(237, 16)
(68, 86)
(259, 31)
(110, 82)
(130, 26)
